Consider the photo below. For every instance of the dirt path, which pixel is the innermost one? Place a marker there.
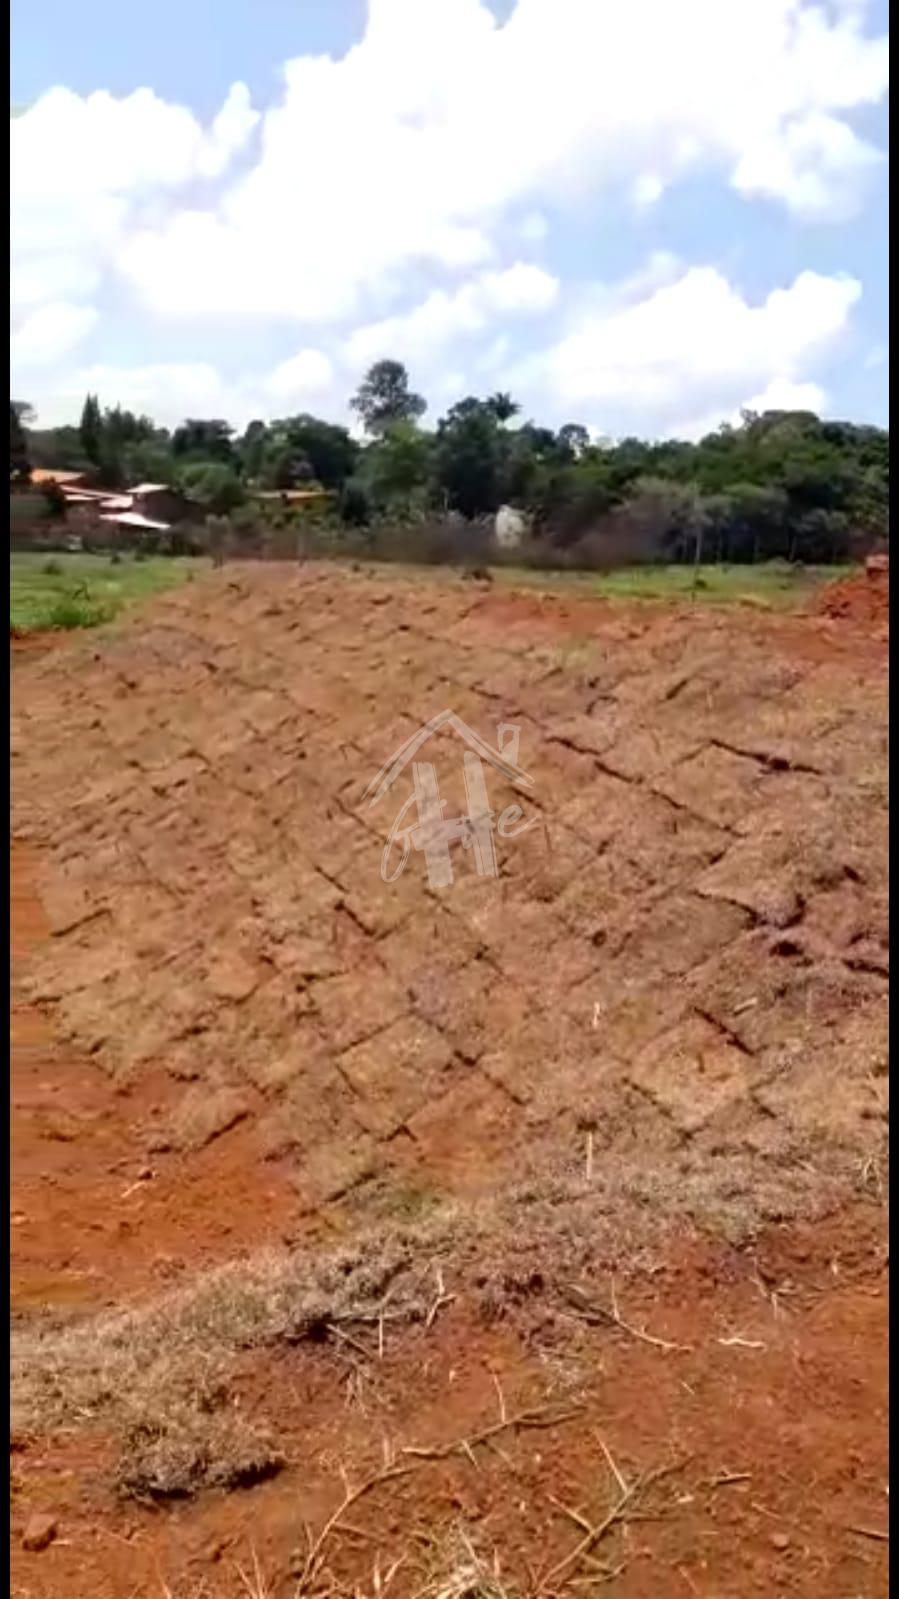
(653, 1049)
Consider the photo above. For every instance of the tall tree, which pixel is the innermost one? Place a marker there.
(252, 448)
(19, 462)
(91, 429)
(397, 467)
(201, 440)
(469, 453)
(573, 440)
(302, 447)
(212, 484)
(384, 398)
(503, 406)
(124, 427)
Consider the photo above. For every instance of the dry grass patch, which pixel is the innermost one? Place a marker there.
(204, 1113)
(457, 1569)
(173, 1447)
(158, 1377)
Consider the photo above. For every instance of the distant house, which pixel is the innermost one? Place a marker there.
(150, 507)
(294, 496)
(96, 514)
(158, 502)
(136, 520)
(43, 476)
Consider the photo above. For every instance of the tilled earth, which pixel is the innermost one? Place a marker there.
(684, 956)
(232, 1030)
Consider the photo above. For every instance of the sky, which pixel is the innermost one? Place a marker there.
(640, 215)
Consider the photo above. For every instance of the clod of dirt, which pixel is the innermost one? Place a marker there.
(40, 1532)
(780, 1541)
(205, 1114)
(858, 599)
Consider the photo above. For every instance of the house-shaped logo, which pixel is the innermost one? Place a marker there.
(433, 832)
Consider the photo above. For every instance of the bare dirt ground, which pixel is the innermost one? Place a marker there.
(650, 1056)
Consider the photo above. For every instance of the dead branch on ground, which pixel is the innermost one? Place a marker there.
(623, 1509)
(598, 1315)
(315, 1556)
(442, 1298)
(542, 1416)
(400, 1463)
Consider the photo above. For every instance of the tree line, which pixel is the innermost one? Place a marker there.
(780, 484)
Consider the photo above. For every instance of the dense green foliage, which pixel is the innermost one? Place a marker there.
(780, 485)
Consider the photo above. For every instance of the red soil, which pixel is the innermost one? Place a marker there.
(763, 738)
(858, 599)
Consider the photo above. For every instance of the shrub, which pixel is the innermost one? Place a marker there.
(76, 610)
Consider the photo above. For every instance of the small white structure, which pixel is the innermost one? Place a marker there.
(134, 519)
(510, 527)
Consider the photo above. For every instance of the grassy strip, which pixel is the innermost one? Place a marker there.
(73, 591)
(770, 584)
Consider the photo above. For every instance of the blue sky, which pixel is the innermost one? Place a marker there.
(635, 215)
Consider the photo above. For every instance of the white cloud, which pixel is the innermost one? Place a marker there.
(695, 348)
(230, 132)
(444, 316)
(412, 149)
(80, 169)
(308, 373)
(49, 333)
(417, 165)
(672, 350)
(783, 395)
(647, 189)
(533, 228)
(817, 164)
(167, 391)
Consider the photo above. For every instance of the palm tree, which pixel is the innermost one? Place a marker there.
(503, 406)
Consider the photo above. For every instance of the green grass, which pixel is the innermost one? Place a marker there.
(770, 584)
(73, 591)
(51, 591)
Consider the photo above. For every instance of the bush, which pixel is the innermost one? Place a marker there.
(354, 504)
(536, 554)
(439, 541)
(76, 610)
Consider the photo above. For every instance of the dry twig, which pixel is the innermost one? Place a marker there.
(315, 1556)
(564, 1568)
(313, 1565)
(543, 1416)
(254, 1587)
(598, 1315)
(442, 1297)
